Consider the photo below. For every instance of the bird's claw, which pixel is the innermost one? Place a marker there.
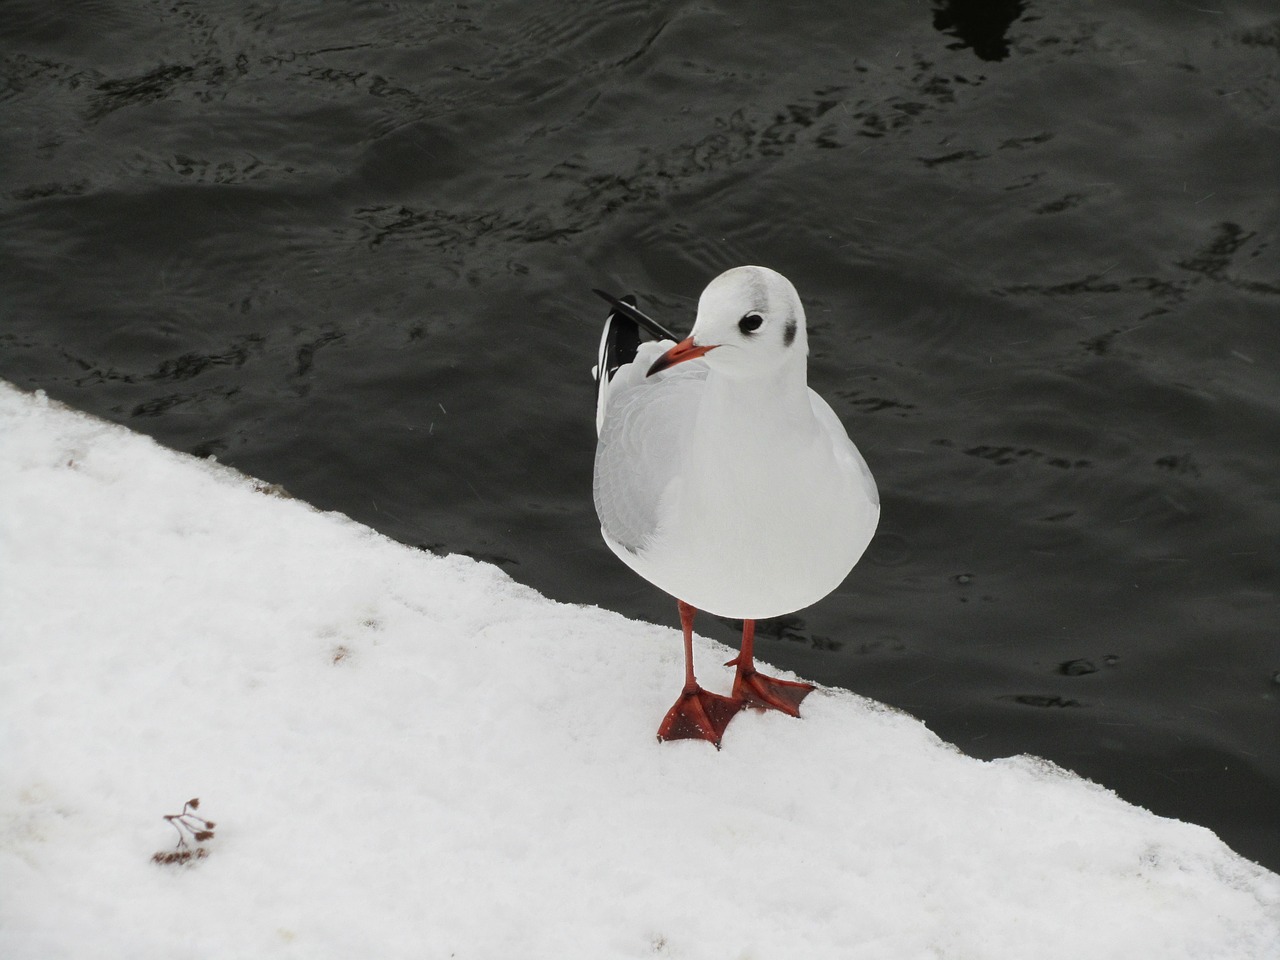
(755, 689)
(699, 715)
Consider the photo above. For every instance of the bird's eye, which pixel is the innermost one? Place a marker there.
(750, 323)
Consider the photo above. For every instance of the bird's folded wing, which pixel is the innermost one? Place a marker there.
(841, 445)
(638, 455)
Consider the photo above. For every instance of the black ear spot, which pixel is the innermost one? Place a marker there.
(789, 333)
(750, 323)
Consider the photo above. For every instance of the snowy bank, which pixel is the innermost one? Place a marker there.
(410, 756)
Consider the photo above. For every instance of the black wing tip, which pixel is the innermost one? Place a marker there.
(627, 305)
(627, 299)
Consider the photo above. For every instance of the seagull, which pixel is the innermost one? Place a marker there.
(723, 480)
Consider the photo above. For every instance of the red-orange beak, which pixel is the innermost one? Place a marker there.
(686, 349)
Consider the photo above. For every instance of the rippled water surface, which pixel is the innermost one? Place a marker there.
(349, 248)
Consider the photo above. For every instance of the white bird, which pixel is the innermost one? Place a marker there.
(722, 479)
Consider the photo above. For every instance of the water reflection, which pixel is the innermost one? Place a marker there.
(979, 24)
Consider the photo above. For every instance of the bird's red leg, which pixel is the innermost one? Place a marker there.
(757, 690)
(697, 715)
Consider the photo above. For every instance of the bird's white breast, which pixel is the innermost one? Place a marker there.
(767, 507)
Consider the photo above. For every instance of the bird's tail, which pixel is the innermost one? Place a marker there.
(625, 328)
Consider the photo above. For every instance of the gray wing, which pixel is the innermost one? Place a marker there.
(841, 444)
(638, 454)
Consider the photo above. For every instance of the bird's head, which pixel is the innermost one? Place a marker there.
(750, 321)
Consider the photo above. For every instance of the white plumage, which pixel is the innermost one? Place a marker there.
(725, 480)
(721, 478)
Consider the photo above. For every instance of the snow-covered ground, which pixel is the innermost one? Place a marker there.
(409, 756)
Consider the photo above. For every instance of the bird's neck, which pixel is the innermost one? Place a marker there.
(759, 411)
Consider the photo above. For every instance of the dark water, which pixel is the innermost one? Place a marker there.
(348, 248)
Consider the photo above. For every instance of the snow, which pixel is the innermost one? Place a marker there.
(414, 756)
